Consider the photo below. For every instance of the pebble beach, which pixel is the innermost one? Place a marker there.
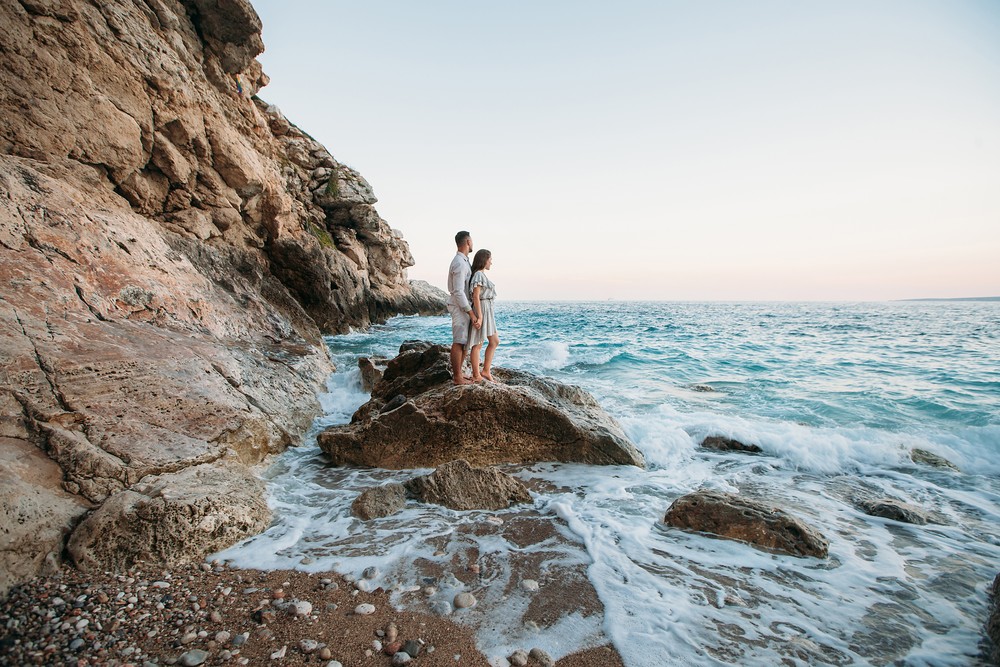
(212, 614)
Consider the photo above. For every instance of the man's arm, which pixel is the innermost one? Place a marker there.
(456, 287)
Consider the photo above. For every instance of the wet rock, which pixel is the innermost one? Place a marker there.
(993, 622)
(541, 657)
(464, 600)
(723, 444)
(931, 459)
(369, 573)
(371, 369)
(457, 485)
(889, 508)
(379, 501)
(441, 607)
(737, 518)
(521, 418)
(518, 658)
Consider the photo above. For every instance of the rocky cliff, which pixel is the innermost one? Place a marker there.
(171, 250)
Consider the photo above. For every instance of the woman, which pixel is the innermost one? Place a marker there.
(483, 293)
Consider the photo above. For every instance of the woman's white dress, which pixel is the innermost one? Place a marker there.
(487, 292)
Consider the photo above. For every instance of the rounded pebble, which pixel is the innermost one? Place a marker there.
(391, 632)
(412, 648)
(401, 658)
(222, 637)
(300, 608)
(518, 658)
(308, 645)
(370, 573)
(193, 658)
(529, 585)
(465, 600)
(325, 654)
(364, 609)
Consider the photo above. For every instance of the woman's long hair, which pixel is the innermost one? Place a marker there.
(479, 261)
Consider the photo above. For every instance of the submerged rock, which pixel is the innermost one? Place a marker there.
(371, 369)
(888, 508)
(931, 459)
(459, 486)
(724, 444)
(417, 417)
(737, 518)
(379, 501)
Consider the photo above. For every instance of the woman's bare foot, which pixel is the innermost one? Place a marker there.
(488, 376)
(477, 378)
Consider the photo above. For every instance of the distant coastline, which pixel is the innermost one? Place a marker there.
(959, 298)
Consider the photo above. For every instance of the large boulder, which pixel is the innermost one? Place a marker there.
(173, 518)
(737, 518)
(418, 418)
(459, 486)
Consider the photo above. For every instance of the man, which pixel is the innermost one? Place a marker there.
(459, 275)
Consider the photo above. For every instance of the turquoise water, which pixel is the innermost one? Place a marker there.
(835, 394)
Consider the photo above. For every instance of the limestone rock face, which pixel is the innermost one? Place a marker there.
(459, 486)
(737, 518)
(172, 518)
(418, 418)
(172, 249)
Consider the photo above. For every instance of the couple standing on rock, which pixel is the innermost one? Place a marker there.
(471, 307)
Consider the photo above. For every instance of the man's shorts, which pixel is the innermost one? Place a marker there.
(460, 322)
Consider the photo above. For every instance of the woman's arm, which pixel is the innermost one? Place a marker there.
(476, 306)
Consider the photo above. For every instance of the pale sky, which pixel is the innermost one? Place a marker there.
(699, 150)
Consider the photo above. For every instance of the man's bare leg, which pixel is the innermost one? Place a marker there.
(457, 353)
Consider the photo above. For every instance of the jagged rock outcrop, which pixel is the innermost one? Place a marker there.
(931, 459)
(993, 623)
(418, 418)
(171, 250)
(738, 518)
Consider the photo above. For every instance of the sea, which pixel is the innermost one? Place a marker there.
(837, 395)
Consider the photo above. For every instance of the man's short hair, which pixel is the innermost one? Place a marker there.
(461, 238)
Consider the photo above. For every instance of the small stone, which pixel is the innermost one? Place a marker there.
(193, 658)
(401, 658)
(189, 637)
(280, 653)
(241, 639)
(364, 609)
(308, 645)
(529, 585)
(465, 600)
(75, 644)
(160, 584)
(227, 590)
(306, 560)
(393, 647)
(215, 616)
(279, 594)
(377, 646)
(413, 648)
(82, 623)
(300, 608)
(206, 567)
(325, 653)
(222, 637)
(365, 586)
(334, 663)
(391, 632)
(495, 520)
(370, 573)
(541, 657)
(518, 658)
(430, 591)
(225, 655)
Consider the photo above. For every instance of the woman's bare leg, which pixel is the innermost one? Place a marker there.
(474, 362)
(488, 360)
